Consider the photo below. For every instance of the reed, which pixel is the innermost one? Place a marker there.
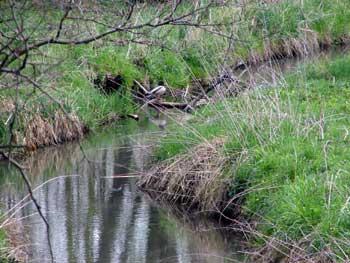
(186, 55)
(41, 132)
(192, 180)
(284, 154)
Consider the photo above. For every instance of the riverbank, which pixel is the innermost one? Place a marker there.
(14, 242)
(280, 164)
(186, 56)
(2, 246)
(93, 205)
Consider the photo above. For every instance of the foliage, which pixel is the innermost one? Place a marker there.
(3, 244)
(185, 53)
(288, 149)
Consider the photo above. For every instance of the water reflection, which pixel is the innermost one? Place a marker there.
(272, 72)
(96, 213)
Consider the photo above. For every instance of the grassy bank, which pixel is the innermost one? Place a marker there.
(258, 31)
(286, 153)
(2, 245)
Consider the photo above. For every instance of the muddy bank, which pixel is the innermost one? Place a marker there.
(42, 129)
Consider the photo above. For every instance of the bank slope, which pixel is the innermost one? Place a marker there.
(286, 153)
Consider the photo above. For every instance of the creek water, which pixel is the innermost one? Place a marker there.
(95, 211)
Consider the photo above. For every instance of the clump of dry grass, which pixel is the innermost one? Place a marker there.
(308, 45)
(7, 105)
(42, 131)
(193, 180)
(18, 241)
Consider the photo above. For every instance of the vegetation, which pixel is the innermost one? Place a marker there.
(251, 31)
(287, 149)
(3, 244)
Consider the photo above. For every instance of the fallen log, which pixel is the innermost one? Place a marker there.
(200, 100)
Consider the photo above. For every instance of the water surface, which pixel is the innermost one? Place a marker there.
(95, 211)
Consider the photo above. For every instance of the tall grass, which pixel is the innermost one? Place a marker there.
(288, 150)
(258, 31)
(3, 247)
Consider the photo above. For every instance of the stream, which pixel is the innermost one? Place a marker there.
(95, 211)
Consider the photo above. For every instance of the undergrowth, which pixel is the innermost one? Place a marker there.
(3, 245)
(258, 31)
(288, 150)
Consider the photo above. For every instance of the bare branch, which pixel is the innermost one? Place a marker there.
(30, 191)
(60, 26)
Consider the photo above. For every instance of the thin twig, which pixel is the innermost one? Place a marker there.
(30, 191)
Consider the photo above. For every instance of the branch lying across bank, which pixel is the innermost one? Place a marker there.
(215, 84)
(198, 100)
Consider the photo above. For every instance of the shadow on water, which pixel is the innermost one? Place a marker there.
(94, 209)
(271, 72)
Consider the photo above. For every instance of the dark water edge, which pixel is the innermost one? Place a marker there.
(95, 211)
(271, 73)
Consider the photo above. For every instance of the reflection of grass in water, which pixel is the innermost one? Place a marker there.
(288, 148)
(60, 160)
(115, 133)
(203, 237)
(41, 166)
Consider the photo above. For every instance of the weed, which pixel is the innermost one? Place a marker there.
(288, 151)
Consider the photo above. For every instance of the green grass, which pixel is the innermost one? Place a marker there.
(197, 54)
(3, 244)
(186, 53)
(289, 147)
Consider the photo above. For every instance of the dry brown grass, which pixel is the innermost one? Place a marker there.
(18, 241)
(193, 180)
(292, 47)
(42, 131)
(298, 252)
(7, 105)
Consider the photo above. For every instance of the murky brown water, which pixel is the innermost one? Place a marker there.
(97, 214)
